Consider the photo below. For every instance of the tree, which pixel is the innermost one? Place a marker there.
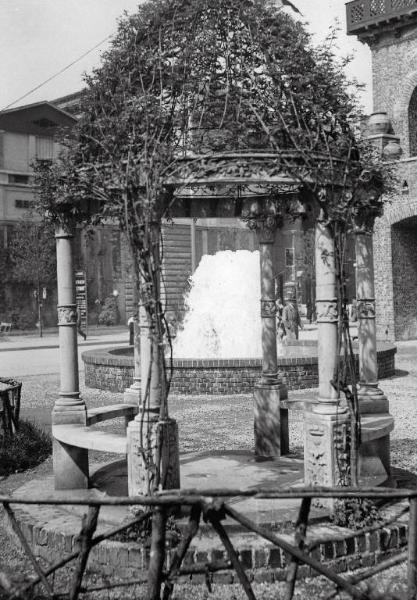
(32, 258)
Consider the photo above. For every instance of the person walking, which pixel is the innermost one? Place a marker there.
(280, 325)
(291, 319)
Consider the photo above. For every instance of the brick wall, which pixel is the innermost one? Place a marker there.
(106, 369)
(395, 262)
(394, 68)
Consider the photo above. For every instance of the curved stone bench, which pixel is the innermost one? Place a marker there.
(73, 441)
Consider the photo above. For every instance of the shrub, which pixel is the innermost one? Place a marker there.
(26, 449)
(109, 314)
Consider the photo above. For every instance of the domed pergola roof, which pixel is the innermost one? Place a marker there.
(217, 92)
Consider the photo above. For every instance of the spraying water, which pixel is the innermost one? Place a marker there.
(223, 308)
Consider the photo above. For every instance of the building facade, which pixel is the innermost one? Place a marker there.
(389, 27)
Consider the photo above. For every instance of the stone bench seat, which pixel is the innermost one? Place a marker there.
(375, 426)
(105, 413)
(90, 438)
(95, 438)
(72, 442)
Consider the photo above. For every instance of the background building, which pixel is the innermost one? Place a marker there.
(390, 29)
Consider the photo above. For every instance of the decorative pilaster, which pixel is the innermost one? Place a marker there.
(152, 436)
(371, 397)
(271, 421)
(327, 426)
(70, 464)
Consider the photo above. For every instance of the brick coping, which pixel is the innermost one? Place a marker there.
(123, 357)
(52, 532)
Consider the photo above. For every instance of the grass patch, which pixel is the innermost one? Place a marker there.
(25, 450)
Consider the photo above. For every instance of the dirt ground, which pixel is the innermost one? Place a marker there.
(226, 423)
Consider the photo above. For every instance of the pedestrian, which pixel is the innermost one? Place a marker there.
(291, 319)
(353, 311)
(79, 317)
(309, 311)
(280, 325)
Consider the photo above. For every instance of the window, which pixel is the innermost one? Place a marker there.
(24, 204)
(20, 179)
(44, 148)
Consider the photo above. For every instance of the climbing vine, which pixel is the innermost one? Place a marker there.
(193, 91)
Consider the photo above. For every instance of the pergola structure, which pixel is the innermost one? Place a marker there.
(260, 200)
(211, 118)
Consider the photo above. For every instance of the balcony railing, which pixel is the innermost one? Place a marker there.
(363, 14)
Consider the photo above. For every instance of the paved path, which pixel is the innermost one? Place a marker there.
(50, 339)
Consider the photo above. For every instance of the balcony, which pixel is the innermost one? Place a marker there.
(363, 16)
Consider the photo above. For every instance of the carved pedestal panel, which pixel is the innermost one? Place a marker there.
(142, 442)
(327, 451)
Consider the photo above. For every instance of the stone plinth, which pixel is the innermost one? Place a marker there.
(143, 434)
(327, 449)
(270, 421)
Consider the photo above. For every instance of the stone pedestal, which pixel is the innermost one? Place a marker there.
(270, 420)
(143, 437)
(70, 464)
(327, 449)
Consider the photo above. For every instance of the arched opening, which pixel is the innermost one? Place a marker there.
(412, 123)
(404, 274)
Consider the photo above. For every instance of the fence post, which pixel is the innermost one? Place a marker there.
(157, 556)
(412, 551)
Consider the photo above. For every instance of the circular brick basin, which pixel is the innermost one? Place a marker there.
(112, 369)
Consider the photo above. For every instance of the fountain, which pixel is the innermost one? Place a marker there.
(217, 323)
(218, 344)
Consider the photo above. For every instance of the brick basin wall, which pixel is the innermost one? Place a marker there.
(51, 534)
(112, 369)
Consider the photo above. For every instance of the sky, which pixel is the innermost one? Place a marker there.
(39, 38)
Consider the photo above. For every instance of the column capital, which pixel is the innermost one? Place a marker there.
(364, 220)
(366, 308)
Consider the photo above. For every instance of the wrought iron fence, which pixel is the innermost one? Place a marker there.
(213, 506)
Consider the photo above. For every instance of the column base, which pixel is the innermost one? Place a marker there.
(66, 413)
(372, 399)
(140, 472)
(326, 451)
(270, 420)
(132, 395)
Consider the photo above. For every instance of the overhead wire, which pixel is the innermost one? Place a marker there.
(57, 73)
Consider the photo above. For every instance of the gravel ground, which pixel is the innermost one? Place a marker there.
(226, 423)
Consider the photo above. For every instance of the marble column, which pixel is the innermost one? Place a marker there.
(371, 397)
(327, 425)
(374, 453)
(70, 463)
(152, 436)
(270, 418)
